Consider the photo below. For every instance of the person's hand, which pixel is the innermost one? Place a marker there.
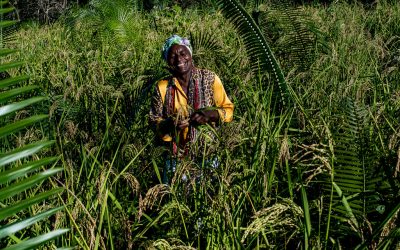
(204, 116)
(182, 124)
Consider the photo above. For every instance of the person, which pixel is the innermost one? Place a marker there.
(189, 98)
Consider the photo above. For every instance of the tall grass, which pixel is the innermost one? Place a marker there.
(266, 192)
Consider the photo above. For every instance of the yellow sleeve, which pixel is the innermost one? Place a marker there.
(222, 101)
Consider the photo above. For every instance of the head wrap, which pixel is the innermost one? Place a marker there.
(175, 39)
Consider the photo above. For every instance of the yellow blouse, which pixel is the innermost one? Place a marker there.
(181, 104)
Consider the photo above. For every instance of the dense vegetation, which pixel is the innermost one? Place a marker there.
(311, 160)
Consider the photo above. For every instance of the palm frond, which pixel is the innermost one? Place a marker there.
(299, 40)
(354, 172)
(110, 19)
(204, 40)
(7, 27)
(18, 173)
(207, 52)
(259, 52)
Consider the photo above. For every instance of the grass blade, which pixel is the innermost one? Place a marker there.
(24, 152)
(17, 172)
(18, 187)
(14, 127)
(32, 243)
(15, 227)
(5, 96)
(306, 212)
(7, 66)
(346, 205)
(12, 210)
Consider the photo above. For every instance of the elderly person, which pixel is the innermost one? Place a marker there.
(189, 98)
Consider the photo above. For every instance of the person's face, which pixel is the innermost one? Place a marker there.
(179, 59)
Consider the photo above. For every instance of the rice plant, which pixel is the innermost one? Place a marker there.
(319, 170)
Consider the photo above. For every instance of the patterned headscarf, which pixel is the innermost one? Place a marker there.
(175, 39)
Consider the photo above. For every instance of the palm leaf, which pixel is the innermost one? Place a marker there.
(138, 95)
(20, 153)
(4, 52)
(18, 187)
(5, 24)
(354, 169)
(5, 96)
(111, 19)
(259, 52)
(354, 173)
(207, 51)
(10, 65)
(300, 40)
(15, 227)
(17, 179)
(12, 80)
(26, 203)
(204, 40)
(19, 105)
(346, 205)
(37, 241)
(27, 168)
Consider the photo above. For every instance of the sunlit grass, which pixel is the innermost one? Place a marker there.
(266, 187)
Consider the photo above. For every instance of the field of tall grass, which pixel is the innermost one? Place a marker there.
(319, 171)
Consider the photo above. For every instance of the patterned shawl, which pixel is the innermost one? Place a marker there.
(200, 95)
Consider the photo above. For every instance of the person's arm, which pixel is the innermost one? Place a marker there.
(222, 102)
(224, 111)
